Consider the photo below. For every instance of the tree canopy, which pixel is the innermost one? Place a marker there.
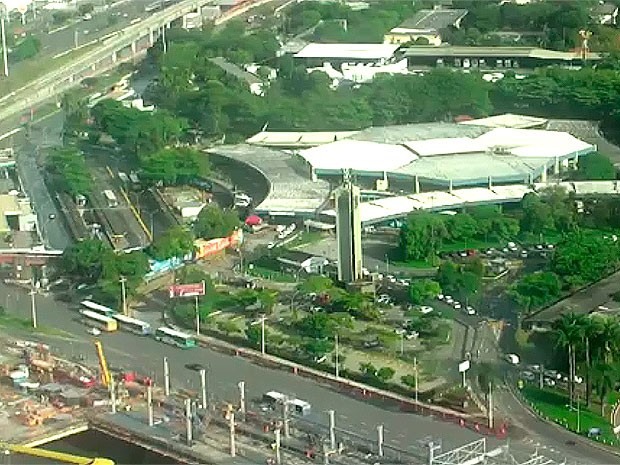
(214, 222)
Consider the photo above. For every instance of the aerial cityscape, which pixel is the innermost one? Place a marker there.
(310, 231)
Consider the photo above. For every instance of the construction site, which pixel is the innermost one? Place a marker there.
(44, 398)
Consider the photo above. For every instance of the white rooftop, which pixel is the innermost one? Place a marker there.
(352, 51)
(297, 139)
(503, 154)
(358, 155)
(508, 120)
(445, 146)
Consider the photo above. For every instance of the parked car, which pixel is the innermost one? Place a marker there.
(94, 332)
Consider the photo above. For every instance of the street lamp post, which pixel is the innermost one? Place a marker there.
(337, 355)
(123, 280)
(33, 305)
(197, 317)
(5, 53)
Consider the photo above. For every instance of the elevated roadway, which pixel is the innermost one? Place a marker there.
(105, 51)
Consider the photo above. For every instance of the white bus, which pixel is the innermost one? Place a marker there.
(132, 325)
(97, 320)
(175, 338)
(95, 307)
(110, 198)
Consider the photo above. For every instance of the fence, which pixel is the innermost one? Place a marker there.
(362, 390)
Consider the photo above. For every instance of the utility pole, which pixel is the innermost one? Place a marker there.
(380, 440)
(285, 419)
(231, 425)
(33, 305)
(149, 403)
(75, 38)
(337, 356)
(113, 394)
(5, 53)
(278, 458)
(188, 422)
(415, 377)
(203, 387)
(241, 386)
(166, 377)
(490, 405)
(402, 343)
(332, 429)
(540, 377)
(123, 280)
(262, 334)
(197, 318)
(578, 416)
(163, 38)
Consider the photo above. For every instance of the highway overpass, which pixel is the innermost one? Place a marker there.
(109, 51)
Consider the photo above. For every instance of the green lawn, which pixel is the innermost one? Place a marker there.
(266, 273)
(13, 322)
(553, 405)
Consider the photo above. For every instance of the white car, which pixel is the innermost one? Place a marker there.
(471, 310)
(549, 382)
(94, 331)
(457, 306)
(425, 309)
(440, 296)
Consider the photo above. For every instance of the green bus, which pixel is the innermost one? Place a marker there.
(175, 338)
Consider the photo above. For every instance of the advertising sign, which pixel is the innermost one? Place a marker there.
(214, 246)
(464, 366)
(187, 290)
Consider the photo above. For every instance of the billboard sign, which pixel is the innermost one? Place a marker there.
(214, 246)
(187, 290)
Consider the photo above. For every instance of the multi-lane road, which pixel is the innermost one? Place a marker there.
(402, 430)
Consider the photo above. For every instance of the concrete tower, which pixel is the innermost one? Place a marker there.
(349, 231)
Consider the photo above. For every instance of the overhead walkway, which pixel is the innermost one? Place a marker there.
(390, 208)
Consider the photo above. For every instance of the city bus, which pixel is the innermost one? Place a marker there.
(97, 320)
(132, 325)
(95, 307)
(175, 338)
(110, 198)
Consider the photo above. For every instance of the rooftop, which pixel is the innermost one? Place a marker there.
(290, 186)
(432, 20)
(499, 52)
(348, 51)
(508, 120)
(503, 154)
(234, 70)
(297, 139)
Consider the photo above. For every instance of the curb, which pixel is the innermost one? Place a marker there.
(578, 438)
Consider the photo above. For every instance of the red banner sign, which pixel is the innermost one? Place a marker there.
(187, 290)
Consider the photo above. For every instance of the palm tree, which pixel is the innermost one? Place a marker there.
(609, 339)
(590, 330)
(605, 376)
(568, 334)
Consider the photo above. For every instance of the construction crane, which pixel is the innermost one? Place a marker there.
(103, 364)
(52, 455)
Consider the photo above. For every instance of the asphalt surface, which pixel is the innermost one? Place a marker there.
(145, 355)
(52, 227)
(402, 430)
(57, 39)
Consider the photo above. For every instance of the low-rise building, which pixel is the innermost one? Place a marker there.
(315, 54)
(296, 261)
(426, 25)
(605, 13)
(487, 58)
(16, 213)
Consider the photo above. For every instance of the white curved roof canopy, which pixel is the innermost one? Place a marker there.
(358, 156)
